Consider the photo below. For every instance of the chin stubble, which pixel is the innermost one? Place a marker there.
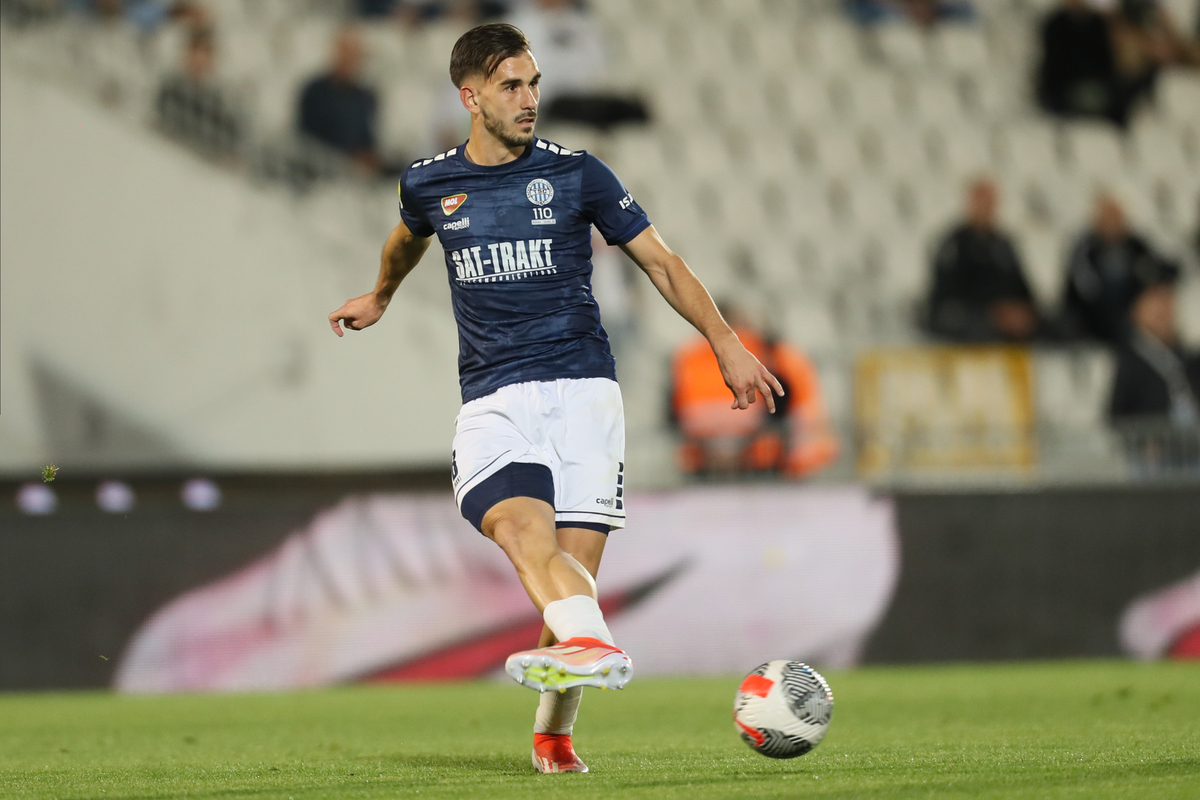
(508, 138)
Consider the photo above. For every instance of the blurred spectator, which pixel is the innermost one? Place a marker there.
(796, 441)
(193, 108)
(1106, 269)
(411, 13)
(922, 12)
(339, 111)
(569, 47)
(979, 289)
(145, 14)
(1147, 39)
(1157, 384)
(1099, 57)
(1078, 76)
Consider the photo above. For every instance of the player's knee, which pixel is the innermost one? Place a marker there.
(522, 535)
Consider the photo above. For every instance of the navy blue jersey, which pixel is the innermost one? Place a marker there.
(518, 249)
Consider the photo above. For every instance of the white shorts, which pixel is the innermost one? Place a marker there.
(562, 441)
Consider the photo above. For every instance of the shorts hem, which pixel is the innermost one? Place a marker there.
(612, 520)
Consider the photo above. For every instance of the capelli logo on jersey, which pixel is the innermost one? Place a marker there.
(453, 203)
(457, 225)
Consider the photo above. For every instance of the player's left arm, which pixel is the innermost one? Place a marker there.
(744, 374)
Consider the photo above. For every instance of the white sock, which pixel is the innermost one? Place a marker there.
(556, 712)
(578, 615)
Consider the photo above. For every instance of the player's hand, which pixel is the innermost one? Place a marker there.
(359, 313)
(746, 377)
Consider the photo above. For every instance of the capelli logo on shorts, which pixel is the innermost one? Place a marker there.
(604, 501)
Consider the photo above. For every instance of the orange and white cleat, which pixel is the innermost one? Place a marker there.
(581, 661)
(553, 752)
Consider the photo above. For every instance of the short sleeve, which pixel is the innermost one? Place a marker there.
(410, 208)
(609, 205)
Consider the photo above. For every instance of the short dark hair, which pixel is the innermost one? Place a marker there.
(481, 50)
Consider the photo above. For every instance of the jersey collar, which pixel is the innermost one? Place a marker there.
(461, 155)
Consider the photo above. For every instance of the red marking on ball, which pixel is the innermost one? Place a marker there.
(756, 685)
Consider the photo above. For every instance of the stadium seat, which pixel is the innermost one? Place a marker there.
(904, 150)
(636, 151)
(808, 324)
(936, 102)
(874, 96)
(838, 151)
(802, 203)
(387, 57)
(902, 46)
(727, 95)
(776, 261)
(704, 154)
(776, 50)
(275, 104)
(961, 148)
(1178, 95)
(1030, 149)
(767, 153)
(404, 113)
(833, 46)
(806, 97)
(1096, 150)
(1041, 250)
(906, 266)
(1072, 386)
(1158, 147)
(960, 49)
(243, 54)
(307, 46)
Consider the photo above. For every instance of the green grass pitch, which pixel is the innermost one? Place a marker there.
(1060, 730)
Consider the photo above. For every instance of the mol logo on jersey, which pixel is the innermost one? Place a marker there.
(503, 261)
(453, 203)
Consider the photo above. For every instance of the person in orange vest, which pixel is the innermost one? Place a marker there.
(797, 442)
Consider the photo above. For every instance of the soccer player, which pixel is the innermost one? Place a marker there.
(538, 454)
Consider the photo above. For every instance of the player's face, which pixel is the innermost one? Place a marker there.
(509, 99)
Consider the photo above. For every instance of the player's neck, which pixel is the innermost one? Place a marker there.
(488, 151)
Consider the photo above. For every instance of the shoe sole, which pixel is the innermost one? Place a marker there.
(548, 674)
(552, 768)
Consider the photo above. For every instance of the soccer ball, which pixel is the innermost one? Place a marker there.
(782, 709)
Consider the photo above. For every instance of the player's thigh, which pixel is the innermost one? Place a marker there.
(523, 526)
(493, 456)
(590, 444)
(586, 545)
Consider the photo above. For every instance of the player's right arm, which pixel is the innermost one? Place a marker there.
(401, 253)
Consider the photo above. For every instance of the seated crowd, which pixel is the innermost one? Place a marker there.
(1118, 292)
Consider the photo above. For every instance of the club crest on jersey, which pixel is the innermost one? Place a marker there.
(539, 191)
(453, 203)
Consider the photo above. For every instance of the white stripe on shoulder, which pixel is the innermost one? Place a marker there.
(557, 148)
(439, 157)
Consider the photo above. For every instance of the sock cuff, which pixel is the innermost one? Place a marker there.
(578, 615)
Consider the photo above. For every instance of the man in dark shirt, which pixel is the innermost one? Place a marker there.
(1108, 266)
(1157, 383)
(1078, 73)
(191, 106)
(339, 111)
(979, 289)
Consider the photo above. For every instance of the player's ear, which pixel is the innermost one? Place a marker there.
(469, 100)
